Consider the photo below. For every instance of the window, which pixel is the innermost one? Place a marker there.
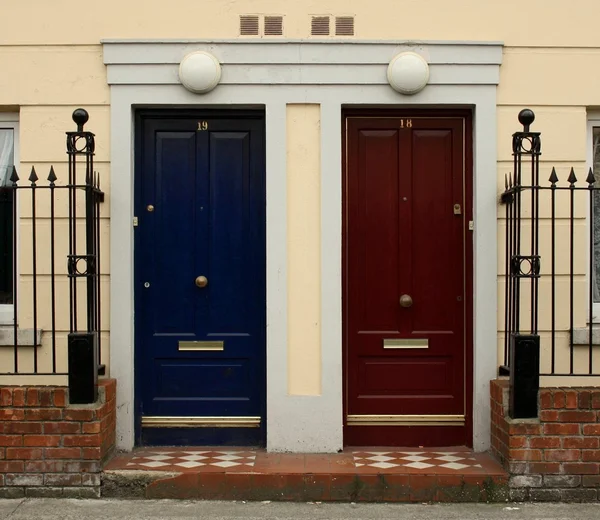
(8, 157)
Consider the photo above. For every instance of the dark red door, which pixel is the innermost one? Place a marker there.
(407, 281)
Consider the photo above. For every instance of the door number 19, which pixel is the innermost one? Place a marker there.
(202, 125)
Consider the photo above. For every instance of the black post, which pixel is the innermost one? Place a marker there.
(524, 352)
(83, 346)
(524, 376)
(83, 367)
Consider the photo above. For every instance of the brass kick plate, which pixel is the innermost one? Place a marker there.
(201, 345)
(405, 343)
(406, 420)
(200, 422)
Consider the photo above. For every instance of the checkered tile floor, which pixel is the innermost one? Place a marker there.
(372, 460)
(415, 459)
(164, 459)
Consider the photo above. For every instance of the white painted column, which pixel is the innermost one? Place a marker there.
(305, 423)
(331, 275)
(485, 244)
(121, 265)
(276, 186)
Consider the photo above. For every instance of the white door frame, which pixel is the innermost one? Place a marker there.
(333, 75)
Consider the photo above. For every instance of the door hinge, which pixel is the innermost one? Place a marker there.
(135, 222)
(471, 225)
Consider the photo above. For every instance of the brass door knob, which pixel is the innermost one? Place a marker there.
(201, 281)
(405, 301)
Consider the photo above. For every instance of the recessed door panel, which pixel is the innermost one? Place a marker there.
(231, 238)
(406, 376)
(376, 202)
(174, 187)
(187, 378)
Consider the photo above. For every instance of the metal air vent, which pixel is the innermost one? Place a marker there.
(273, 25)
(319, 26)
(249, 25)
(344, 25)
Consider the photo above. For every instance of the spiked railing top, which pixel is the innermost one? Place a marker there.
(14, 177)
(92, 180)
(590, 178)
(52, 175)
(33, 175)
(572, 178)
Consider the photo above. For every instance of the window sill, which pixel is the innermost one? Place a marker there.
(581, 336)
(24, 337)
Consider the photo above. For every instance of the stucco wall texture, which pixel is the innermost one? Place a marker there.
(51, 63)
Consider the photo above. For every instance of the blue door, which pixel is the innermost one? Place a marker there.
(200, 278)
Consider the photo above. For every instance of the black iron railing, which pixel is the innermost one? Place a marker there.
(6, 233)
(47, 260)
(525, 268)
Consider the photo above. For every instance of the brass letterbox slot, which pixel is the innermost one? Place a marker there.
(202, 345)
(405, 343)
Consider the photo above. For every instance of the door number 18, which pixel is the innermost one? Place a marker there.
(405, 123)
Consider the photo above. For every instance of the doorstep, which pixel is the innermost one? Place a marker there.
(359, 474)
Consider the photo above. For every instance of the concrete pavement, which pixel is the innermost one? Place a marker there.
(65, 509)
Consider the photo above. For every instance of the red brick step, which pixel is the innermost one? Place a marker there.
(365, 474)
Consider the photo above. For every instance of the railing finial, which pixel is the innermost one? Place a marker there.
(590, 178)
(14, 177)
(33, 175)
(526, 118)
(81, 117)
(52, 176)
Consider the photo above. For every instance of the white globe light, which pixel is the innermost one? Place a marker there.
(199, 72)
(408, 73)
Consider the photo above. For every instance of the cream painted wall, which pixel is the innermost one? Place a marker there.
(537, 23)
(48, 75)
(303, 133)
(51, 63)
